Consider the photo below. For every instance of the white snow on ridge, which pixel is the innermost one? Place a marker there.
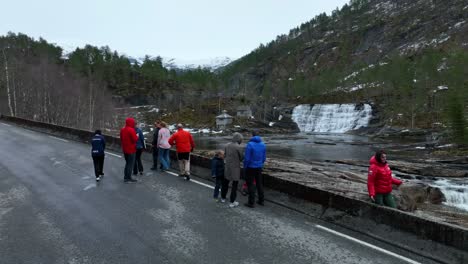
(211, 63)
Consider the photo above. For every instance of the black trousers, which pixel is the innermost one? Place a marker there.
(155, 157)
(98, 162)
(129, 163)
(250, 175)
(225, 187)
(138, 167)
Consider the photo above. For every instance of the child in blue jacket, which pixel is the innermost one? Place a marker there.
(217, 172)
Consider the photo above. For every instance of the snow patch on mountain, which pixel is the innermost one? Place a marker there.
(211, 63)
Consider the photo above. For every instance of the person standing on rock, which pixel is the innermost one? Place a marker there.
(128, 139)
(155, 144)
(140, 146)
(254, 158)
(183, 141)
(97, 152)
(233, 158)
(164, 146)
(380, 180)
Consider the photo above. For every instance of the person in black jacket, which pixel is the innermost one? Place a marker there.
(217, 172)
(98, 145)
(157, 127)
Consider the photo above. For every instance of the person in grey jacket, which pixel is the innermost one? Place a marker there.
(233, 156)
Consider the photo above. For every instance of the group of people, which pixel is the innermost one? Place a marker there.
(226, 166)
(132, 141)
(133, 144)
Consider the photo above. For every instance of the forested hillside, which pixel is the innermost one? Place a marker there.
(80, 89)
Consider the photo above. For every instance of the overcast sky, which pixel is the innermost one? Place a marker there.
(183, 29)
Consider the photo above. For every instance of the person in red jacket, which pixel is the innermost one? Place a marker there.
(183, 141)
(128, 139)
(380, 180)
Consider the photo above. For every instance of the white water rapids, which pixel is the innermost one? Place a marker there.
(456, 194)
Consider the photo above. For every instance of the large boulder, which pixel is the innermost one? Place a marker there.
(410, 196)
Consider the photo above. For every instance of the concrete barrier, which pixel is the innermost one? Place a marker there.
(447, 234)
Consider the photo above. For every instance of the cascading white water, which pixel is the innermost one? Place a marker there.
(456, 195)
(334, 118)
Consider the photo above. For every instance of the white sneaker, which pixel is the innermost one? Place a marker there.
(222, 200)
(98, 178)
(234, 204)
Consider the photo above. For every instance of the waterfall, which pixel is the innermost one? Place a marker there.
(456, 195)
(335, 118)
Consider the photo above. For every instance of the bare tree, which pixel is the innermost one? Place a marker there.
(7, 82)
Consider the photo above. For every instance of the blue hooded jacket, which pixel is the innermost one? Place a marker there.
(98, 145)
(255, 153)
(140, 144)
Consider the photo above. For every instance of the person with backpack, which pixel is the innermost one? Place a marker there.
(140, 146)
(98, 146)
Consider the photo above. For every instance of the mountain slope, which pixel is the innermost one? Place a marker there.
(391, 52)
(362, 33)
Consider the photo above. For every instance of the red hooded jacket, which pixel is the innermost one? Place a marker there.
(183, 141)
(380, 178)
(128, 137)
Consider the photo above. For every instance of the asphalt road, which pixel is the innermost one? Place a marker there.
(53, 211)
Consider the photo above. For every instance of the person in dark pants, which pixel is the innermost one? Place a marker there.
(233, 156)
(254, 158)
(140, 146)
(98, 145)
(217, 172)
(155, 143)
(128, 139)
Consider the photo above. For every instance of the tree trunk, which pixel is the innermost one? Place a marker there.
(7, 83)
(91, 107)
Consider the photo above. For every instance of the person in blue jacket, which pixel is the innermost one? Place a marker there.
(98, 145)
(254, 158)
(140, 146)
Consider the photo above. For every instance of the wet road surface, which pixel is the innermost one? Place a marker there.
(53, 211)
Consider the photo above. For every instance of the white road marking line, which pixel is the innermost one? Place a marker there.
(61, 139)
(194, 181)
(92, 185)
(368, 245)
(118, 156)
(172, 173)
(5, 124)
(202, 184)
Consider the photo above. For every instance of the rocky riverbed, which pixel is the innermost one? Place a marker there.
(417, 194)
